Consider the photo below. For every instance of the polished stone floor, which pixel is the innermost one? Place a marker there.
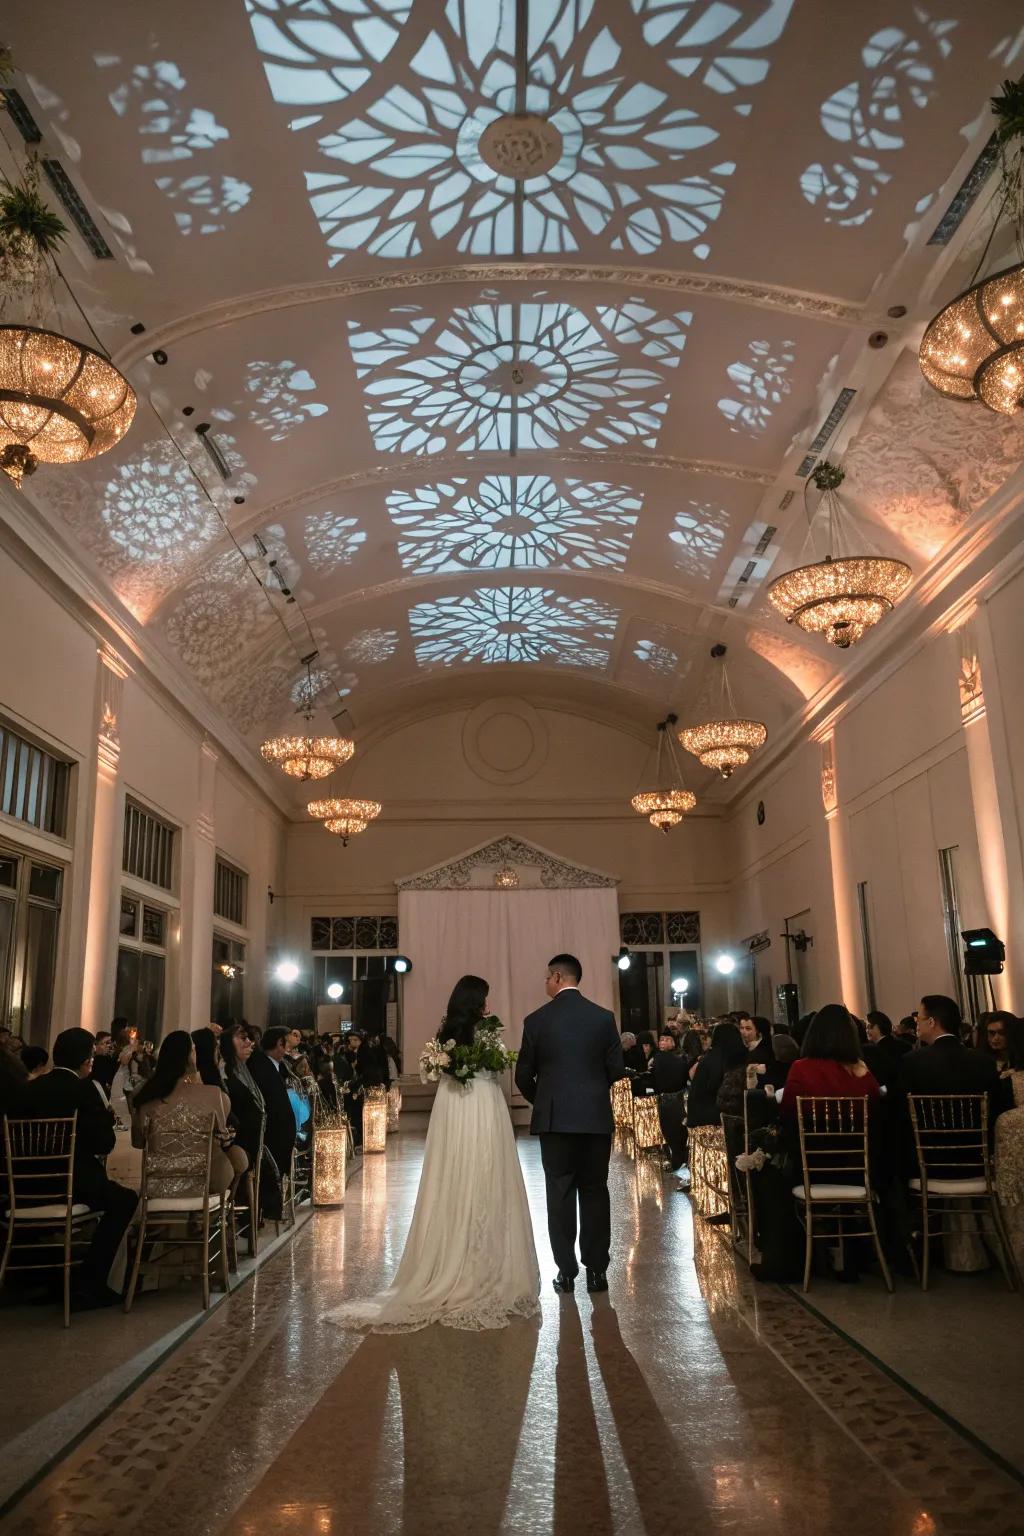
(687, 1400)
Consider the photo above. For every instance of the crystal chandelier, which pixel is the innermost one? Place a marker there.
(303, 755)
(506, 879)
(840, 598)
(974, 347)
(60, 401)
(727, 743)
(344, 817)
(665, 805)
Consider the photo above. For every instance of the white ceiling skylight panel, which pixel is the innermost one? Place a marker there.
(513, 624)
(580, 130)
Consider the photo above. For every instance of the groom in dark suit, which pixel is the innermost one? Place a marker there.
(570, 1056)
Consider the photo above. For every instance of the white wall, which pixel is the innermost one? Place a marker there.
(51, 683)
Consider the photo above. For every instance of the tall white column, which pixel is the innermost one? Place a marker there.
(995, 807)
(850, 974)
(102, 887)
(197, 901)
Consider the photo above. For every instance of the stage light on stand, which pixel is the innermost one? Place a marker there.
(401, 965)
(725, 964)
(623, 959)
(680, 985)
(286, 971)
(335, 991)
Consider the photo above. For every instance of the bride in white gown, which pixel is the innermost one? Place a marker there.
(469, 1259)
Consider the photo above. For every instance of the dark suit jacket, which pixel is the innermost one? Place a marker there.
(280, 1130)
(570, 1056)
(57, 1095)
(669, 1072)
(947, 1066)
(885, 1058)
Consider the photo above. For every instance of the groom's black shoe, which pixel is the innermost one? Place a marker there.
(597, 1280)
(563, 1284)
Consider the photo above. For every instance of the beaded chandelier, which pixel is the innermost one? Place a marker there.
(344, 817)
(302, 755)
(666, 804)
(839, 598)
(726, 743)
(974, 347)
(506, 878)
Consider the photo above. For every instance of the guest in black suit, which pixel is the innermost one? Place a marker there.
(58, 1095)
(945, 1065)
(570, 1056)
(269, 1072)
(104, 1061)
(884, 1053)
(756, 1034)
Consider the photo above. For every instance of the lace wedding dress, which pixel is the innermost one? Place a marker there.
(469, 1259)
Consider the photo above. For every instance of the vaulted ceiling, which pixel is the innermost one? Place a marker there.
(485, 342)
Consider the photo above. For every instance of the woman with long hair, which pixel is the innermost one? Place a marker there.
(469, 1260)
(208, 1057)
(175, 1082)
(831, 1063)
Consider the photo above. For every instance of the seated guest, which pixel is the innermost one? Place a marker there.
(668, 1066)
(830, 1062)
(56, 1095)
(104, 1062)
(176, 1083)
(727, 1052)
(756, 1036)
(1009, 1150)
(247, 1107)
(883, 1053)
(691, 1048)
(209, 1060)
(945, 1064)
(35, 1060)
(632, 1054)
(993, 1037)
(906, 1030)
(269, 1071)
(327, 1087)
(13, 1078)
(373, 1063)
(786, 1051)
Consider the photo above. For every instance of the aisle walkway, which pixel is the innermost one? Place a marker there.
(684, 1402)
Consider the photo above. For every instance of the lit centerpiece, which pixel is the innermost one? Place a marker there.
(844, 595)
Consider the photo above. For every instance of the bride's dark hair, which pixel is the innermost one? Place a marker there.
(465, 1010)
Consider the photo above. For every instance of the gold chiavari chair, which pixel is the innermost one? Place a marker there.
(734, 1130)
(954, 1162)
(245, 1202)
(836, 1192)
(177, 1213)
(40, 1165)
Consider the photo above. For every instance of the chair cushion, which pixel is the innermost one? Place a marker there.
(952, 1186)
(180, 1203)
(833, 1192)
(46, 1212)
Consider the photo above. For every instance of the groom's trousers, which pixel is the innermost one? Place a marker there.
(576, 1173)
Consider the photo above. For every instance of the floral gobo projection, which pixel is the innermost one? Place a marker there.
(394, 168)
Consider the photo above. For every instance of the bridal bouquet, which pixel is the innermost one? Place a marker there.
(443, 1058)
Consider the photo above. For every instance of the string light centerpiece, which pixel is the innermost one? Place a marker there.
(844, 595)
(727, 742)
(303, 755)
(667, 803)
(974, 347)
(344, 817)
(60, 401)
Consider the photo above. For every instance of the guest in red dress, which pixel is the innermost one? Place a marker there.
(830, 1063)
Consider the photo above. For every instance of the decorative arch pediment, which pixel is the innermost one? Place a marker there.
(537, 867)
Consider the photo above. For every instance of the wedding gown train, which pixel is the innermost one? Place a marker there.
(469, 1259)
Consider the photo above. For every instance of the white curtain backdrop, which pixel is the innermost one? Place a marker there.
(507, 937)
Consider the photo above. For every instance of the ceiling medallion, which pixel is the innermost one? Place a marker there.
(506, 878)
(303, 755)
(344, 817)
(840, 598)
(520, 146)
(727, 743)
(60, 401)
(974, 347)
(666, 804)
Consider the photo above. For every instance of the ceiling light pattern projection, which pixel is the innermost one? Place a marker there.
(697, 536)
(761, 383)
(807, 670)
(516, 134)
(152, 101)
(278, 388)
(220, 616)
(505, 376)
(372, 646)
(511, 624)
(332, 540)
(513, 521)
(321, 687)
(658, 659)
(869, 115)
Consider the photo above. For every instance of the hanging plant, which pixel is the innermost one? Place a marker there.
(30, 231)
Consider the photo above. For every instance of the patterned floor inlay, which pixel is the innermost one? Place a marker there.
(690, 1399)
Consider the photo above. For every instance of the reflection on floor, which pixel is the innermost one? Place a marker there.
(687, 1400)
